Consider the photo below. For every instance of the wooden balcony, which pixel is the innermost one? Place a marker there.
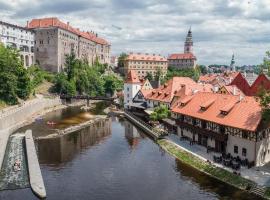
(205, 132)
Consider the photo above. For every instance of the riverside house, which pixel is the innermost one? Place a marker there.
(224, 123)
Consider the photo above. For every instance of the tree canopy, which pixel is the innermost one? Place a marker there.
(160, 112)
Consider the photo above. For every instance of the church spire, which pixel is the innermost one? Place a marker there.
(189, 42)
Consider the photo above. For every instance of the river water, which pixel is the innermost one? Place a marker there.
(113, 160)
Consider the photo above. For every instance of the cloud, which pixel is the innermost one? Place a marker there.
(219, 27)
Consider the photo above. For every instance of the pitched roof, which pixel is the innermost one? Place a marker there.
(233, 90)
(243, 114)
(166, 92)
(145, 57)
(132, 77)
(55, 22)
(179, 56)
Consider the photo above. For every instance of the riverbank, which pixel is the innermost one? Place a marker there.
(208, 168)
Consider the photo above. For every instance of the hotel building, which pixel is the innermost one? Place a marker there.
(145, 63)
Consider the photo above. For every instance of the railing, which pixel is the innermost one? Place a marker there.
(157, 133)
(87, 97)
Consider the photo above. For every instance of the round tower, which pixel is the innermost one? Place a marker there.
(189, 43)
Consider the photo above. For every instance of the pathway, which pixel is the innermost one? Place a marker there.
(260, 175)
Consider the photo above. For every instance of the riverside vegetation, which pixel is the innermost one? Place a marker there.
(18, 83)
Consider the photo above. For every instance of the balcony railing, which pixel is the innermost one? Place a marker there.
(205, 132)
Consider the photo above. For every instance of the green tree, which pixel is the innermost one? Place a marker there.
(112, 83)
(149, 76)
(160, 113)
(14, 78)
(121, 59)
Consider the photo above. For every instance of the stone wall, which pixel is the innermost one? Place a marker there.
(19, 114)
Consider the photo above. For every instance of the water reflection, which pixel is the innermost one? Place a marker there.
(63, 148)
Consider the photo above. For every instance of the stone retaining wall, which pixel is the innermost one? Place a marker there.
(21, 113)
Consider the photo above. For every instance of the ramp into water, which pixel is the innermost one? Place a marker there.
(10, 178)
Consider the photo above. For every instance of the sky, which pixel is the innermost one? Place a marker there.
(220, 27)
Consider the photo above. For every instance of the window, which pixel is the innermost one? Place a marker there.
(235, 150)
(244, 152)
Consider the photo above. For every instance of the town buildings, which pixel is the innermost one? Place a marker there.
(55, 39)
(145, 63)
(19, 38)
(224, 123)
(184, 60)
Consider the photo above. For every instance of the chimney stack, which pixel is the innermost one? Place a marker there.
(27, 24)
(234, 90)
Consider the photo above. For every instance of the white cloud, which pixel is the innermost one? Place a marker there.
(220, 27)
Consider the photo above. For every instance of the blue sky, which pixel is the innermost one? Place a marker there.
(220, 27)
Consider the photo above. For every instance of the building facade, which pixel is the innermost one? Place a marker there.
(55, 39)
(144, 64)
(131, 87)
(224, 123)
(184, 60)
(19, 38)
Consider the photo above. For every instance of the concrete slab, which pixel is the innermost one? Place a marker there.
(35, 176)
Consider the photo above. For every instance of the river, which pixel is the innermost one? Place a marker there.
(113, 160)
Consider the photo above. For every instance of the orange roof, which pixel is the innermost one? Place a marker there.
(145, 57)
(174, 86)
(145, 92)
(180, 56)
(132, 77)
(243, 114)
(208, 78)
(55, 22)
(233, 89)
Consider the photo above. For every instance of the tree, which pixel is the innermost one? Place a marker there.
(264, 98)
(203, 69)
(112, 83)
(158, 75)
(149, 76)
(160, 112)
(14, 78)
(121, 60)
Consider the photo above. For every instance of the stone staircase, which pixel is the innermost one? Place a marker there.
(258, 190)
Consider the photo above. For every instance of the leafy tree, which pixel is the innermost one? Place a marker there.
(160, 112)
(14, 78)
(149, 76)
(112, 83)
(203, 69)
(121, 59)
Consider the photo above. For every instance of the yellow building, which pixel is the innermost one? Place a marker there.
(145, 63)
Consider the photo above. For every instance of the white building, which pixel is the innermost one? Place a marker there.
(20, 38)
(131, 87)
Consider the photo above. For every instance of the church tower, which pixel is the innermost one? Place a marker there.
(188, 43)
(232, 65)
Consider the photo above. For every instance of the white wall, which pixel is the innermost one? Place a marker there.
(130, 90)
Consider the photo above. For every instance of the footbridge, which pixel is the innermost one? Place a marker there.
(88, 98)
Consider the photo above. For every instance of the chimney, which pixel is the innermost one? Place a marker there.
(67, 24)
(234, 90)
(96, 35)
(27, 24)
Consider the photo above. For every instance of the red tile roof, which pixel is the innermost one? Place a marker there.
(233, 89)
(180, 56)
(172, 87)
(132, 77)
(55, 22)
(145, 57)
(243, 114)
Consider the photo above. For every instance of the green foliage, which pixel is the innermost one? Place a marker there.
(38, 76)
(160, 112)
(149, 76)
(14, 78)
(81, 78)
(121, 59)
(112, 83)
(172, 72)
(264, 98)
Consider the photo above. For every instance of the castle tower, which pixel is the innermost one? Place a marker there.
(232, 65)
(188, 43)
(131, 87)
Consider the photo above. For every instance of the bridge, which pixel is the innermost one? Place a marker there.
(88, 98)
